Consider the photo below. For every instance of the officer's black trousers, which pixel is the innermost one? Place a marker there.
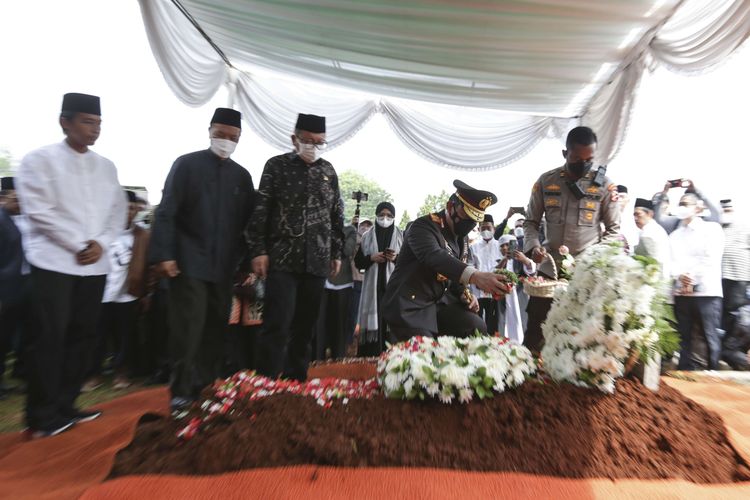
(198, 320)
(290, 312)
(454, 320)
(61, 342)
(538, 308)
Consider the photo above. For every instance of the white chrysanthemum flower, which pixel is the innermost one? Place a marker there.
(465, 395)
(408, 385)
(445, 397)
(455, 376)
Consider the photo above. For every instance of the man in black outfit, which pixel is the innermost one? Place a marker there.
(427, 294)
(198, 239)
(296, 240)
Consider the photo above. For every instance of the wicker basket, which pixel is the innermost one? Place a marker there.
(545, 289)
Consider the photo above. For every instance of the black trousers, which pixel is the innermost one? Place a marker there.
(454, 320)
(117, 327)
(65, 313)
(704, 311)
(735, 296)
(155, 350)
(198, 320)
(240, 346)
(488, 310)
(538, 308)
(291, 308)
(331, 329)
(15, 324)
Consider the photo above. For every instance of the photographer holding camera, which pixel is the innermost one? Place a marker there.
(672, 222)
(577, 202)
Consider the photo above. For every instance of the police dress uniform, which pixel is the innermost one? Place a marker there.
(574, 220)
(427, 293)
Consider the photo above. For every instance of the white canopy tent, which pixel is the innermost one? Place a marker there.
(468, 85)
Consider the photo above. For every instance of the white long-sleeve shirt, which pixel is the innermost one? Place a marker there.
(697, 249)
(485, 255)
(69, 198)
(654, 242)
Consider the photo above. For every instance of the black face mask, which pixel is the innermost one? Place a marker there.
(461, 227)
(580, 168)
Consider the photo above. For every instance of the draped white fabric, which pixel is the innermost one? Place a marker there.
(471, 86)
(192, 69)
(700, 35)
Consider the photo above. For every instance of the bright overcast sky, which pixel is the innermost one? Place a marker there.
(694, 127)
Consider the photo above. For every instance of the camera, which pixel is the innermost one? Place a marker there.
(518, 210)
(359, 196)
(675, 183)
(512, 248)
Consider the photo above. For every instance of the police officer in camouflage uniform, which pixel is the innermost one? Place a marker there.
(296, 240)
(580, 207)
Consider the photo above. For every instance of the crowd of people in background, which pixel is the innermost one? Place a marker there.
(222, 277)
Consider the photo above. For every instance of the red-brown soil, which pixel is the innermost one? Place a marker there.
(557, 430)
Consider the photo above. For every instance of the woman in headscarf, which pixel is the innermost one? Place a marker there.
(377, 255)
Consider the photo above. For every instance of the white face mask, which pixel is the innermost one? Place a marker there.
(486, 235)
(308, 152)
(683, 212)
(223, 148)
(385, 222)
(518, 232)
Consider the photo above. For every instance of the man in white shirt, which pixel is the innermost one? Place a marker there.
(485, 253)
(697, 248)
(75, 208)
(653, 240)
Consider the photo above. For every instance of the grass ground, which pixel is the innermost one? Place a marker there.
(11, 408)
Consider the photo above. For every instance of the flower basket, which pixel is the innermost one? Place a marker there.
(540, 287)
